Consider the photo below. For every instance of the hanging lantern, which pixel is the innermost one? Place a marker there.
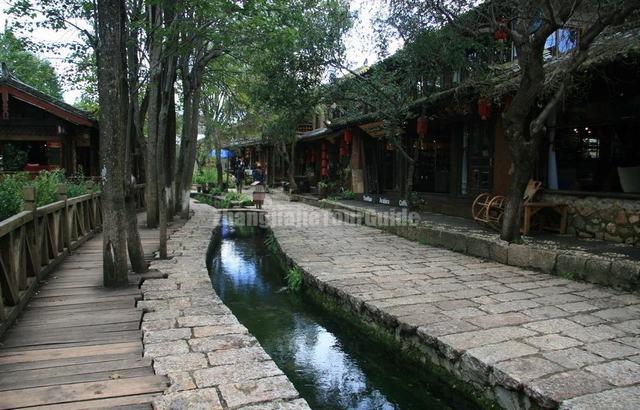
(484, 108)
(324, 172)
(324, 147)
(501, 35)
(324, 163)
(348, 136)
(422, 125)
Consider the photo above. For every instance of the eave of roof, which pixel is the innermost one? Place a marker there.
(30, 95)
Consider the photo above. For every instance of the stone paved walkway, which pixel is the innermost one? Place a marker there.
(518, 334)
(210, 359)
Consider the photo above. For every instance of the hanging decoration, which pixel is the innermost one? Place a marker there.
(324, 163)
(501, 35)
(344, 149)
(348, 136)
(422, 125)
(484, 108)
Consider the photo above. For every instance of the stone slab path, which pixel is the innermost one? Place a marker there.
(519, 335)
(78, 345)
(211, 360)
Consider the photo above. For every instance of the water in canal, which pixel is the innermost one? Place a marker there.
(333, 364)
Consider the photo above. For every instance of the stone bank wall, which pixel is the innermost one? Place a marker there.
(210, 359)
(616, 220)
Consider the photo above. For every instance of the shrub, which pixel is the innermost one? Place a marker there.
(46, 184)
(11, 198)
(294, 279)
(13, 158)
(347, 194)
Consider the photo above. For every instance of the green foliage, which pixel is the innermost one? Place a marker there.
(347, 194)
(294, 279)
(11, 194)
(13, 158)
(569, 275)
(271, 243)
(27, 66)
(233, 196)
(46, 184)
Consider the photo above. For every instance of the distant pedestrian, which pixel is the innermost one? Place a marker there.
(239, 176)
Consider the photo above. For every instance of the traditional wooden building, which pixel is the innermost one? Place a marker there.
(590, 158)
(38, 132)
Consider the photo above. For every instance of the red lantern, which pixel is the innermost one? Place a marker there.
(501, 35)
(324, 172)
(324, 163)
(348, 136)
(422, 125)
(484, 108)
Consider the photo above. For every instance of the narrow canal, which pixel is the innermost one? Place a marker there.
(331, 363)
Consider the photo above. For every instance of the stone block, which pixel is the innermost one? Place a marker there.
(519, 255)
(514, 373)
(543, 259)
(479, 247)
(203, 399)
(257, 391)
(552, 390)
(235, 373)
(618, 373)
(552, 342)
(568, 264)
(179, 363)
(572, 358)
(626, 273)
(616, 399)
(299, 404)
(612, 350)
(174, 347)
(499, 251)
(167, 335)
(233, 341)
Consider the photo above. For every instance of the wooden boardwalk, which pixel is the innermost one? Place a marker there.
(78, 345)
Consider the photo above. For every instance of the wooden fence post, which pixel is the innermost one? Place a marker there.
(33, 234)
(66, 229)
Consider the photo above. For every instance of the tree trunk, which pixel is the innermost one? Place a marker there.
(113, 121)
(188, 147)
(155, 76)
(292, 168)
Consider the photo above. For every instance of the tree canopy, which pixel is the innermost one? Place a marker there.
(28, 67)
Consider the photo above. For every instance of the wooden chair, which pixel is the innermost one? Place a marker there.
(488, 209)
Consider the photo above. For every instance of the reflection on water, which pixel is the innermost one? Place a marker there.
(332, 365)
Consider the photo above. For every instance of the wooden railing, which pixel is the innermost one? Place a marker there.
(36, 240)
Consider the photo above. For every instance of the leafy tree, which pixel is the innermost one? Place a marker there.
(528, 24)
(391, 89)
(25, 65)
(289, 72)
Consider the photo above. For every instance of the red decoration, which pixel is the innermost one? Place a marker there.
(312, 158)
(422, 125)
(501, 35)
(484, 108)
(324, 172)
(348, 136)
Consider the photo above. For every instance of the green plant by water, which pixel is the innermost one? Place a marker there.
(294, 279)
